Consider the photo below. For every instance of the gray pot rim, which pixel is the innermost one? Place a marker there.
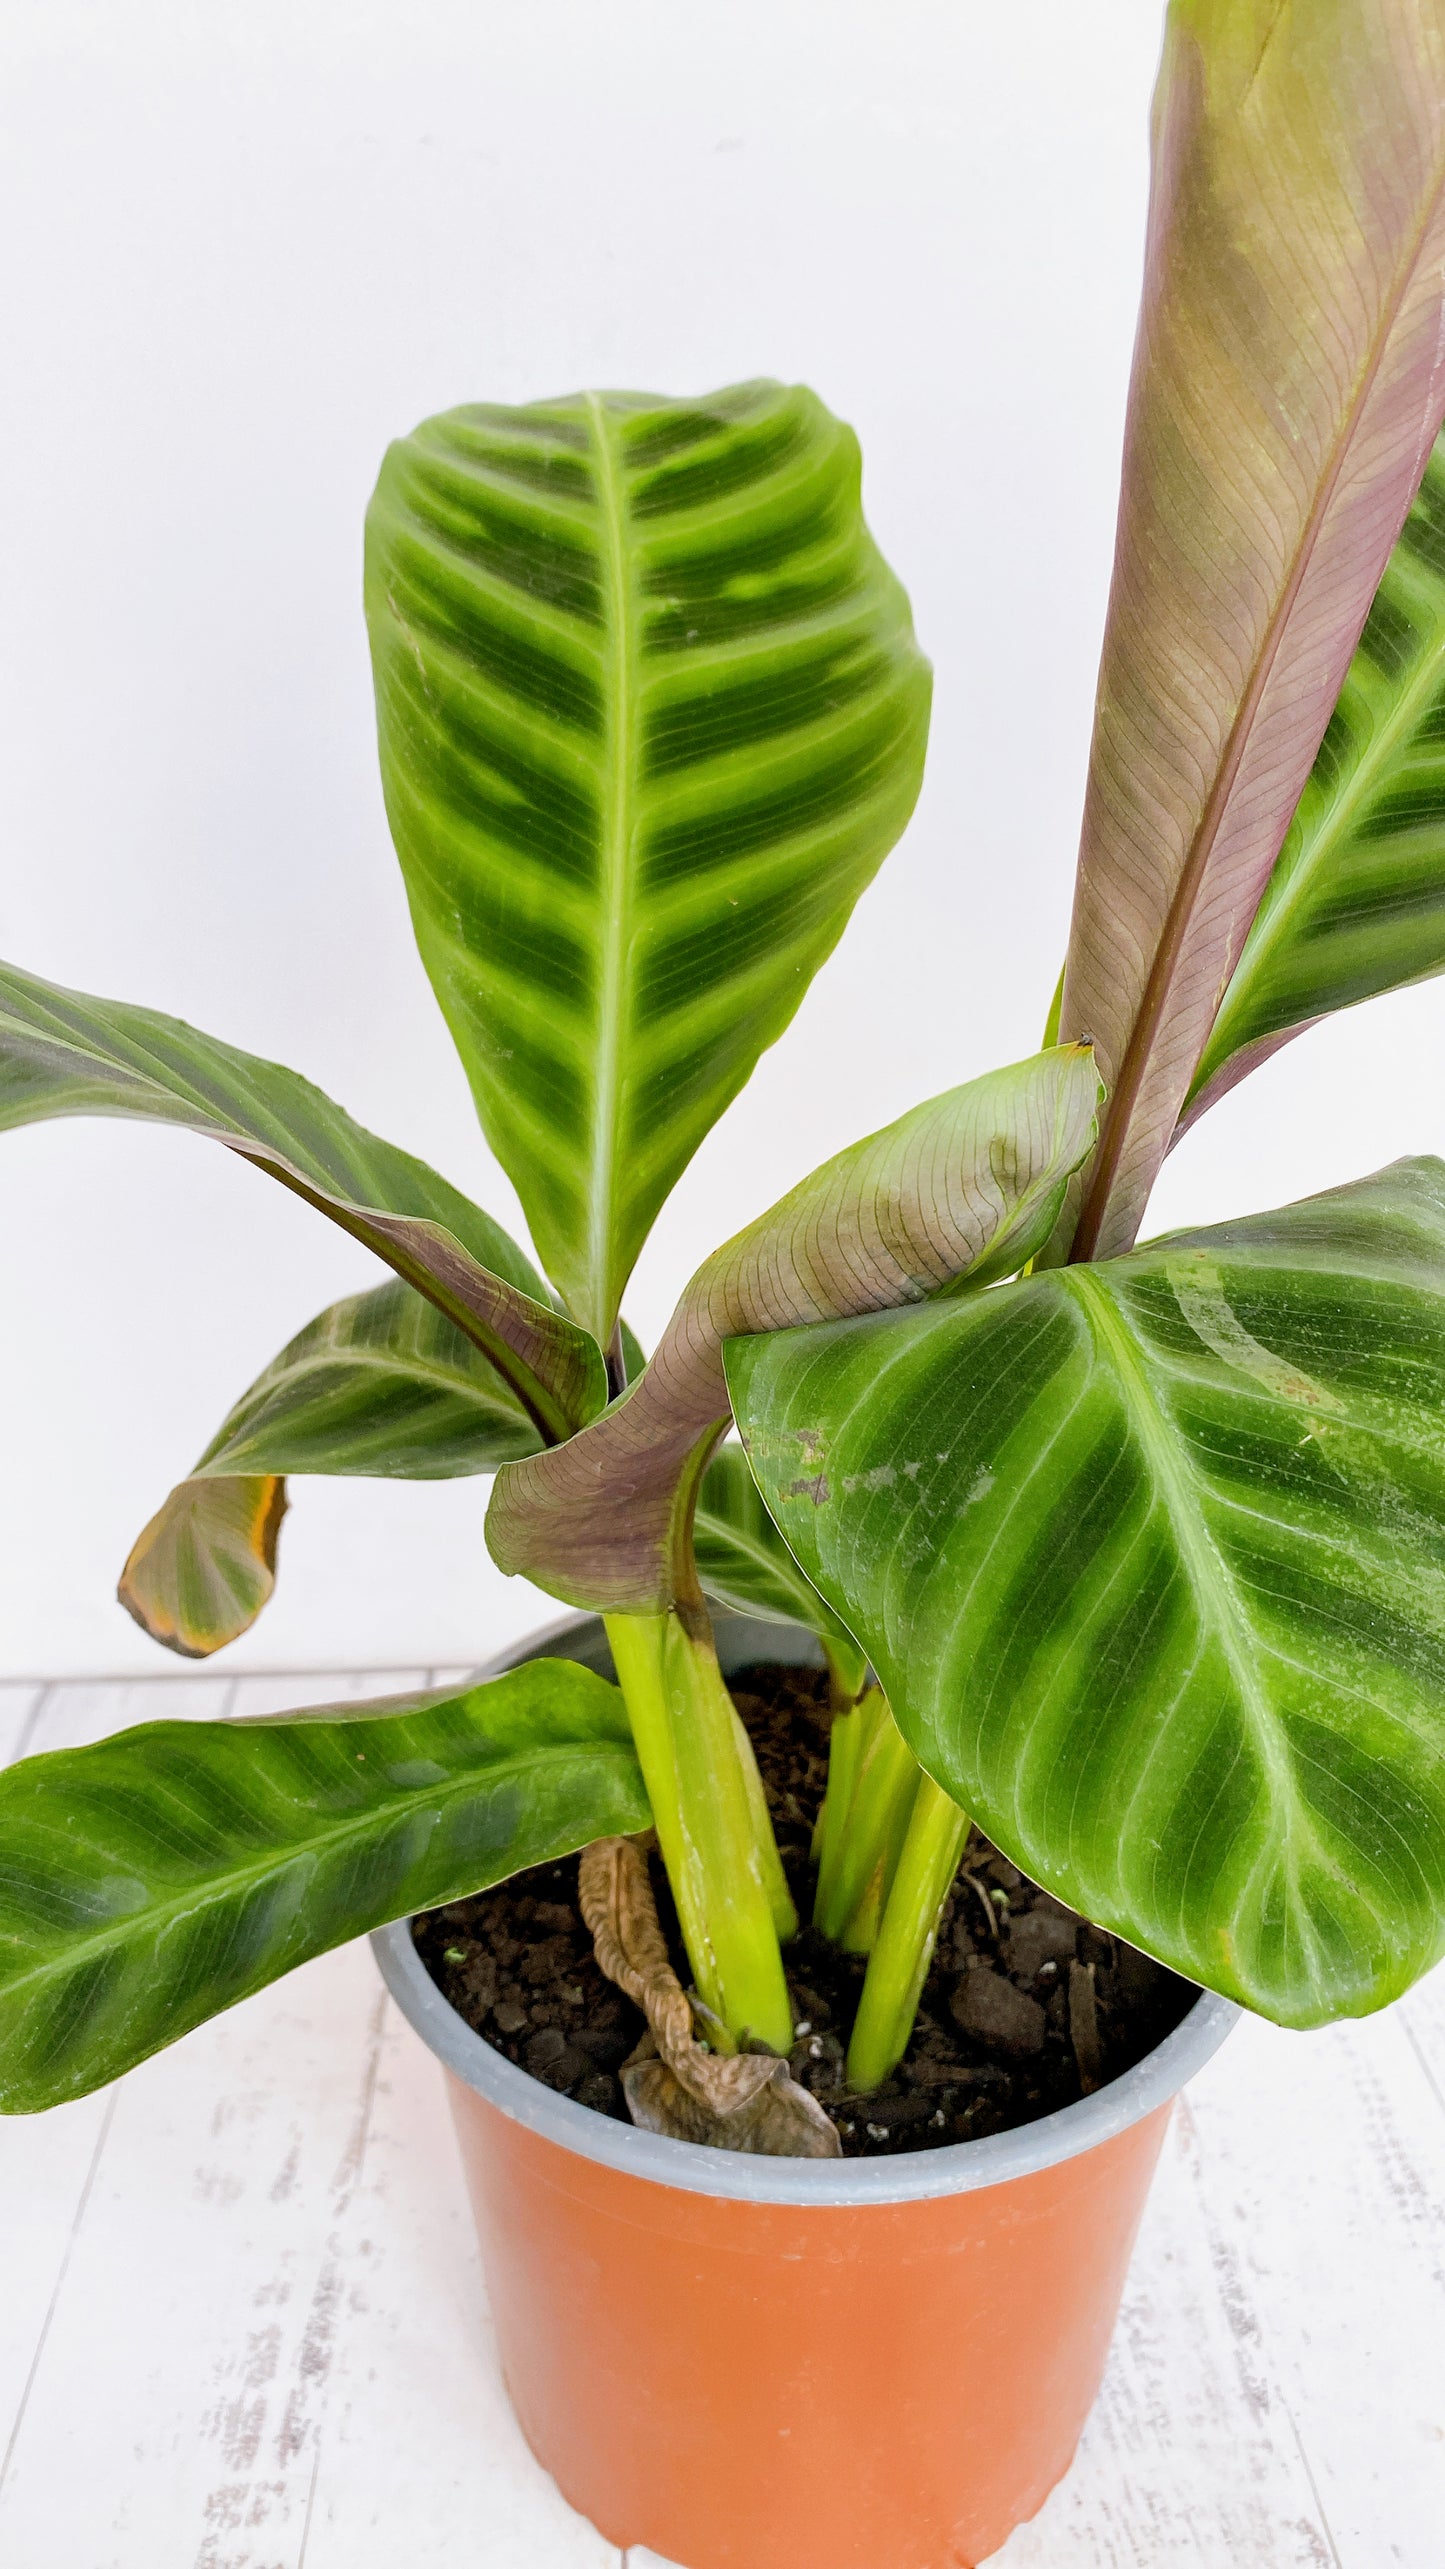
(823, 2184)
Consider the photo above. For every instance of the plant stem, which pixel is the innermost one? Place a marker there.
(847, 1678)
(847, 1672)
(898, 1965)
(712, 1822)
(845, 1747)
(864, 1821)
(775, 1880)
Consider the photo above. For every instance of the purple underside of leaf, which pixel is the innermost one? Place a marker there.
(969, 1183)
(1289, 380)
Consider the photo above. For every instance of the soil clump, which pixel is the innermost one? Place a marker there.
(1025, 2009)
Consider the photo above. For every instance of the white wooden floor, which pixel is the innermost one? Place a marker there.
(242, 2327)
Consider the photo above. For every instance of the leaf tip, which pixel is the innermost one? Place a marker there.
(200, 1572)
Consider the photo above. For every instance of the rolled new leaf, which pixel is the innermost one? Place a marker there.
(382, 1386)
(62, 1053)
(150, 1881)
(1356, 902)
(651, 714)
(1150, 1558)
(962, 1189)
(1289, 380)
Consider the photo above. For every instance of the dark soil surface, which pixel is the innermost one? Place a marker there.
(1025, 2009)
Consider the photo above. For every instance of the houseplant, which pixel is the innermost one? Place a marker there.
(1141, 1543)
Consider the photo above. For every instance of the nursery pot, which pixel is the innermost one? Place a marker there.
(753, 2363)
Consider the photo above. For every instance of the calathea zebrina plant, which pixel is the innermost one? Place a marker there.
(1143, 1545)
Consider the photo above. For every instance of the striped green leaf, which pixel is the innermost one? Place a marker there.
(1150, 1559)
(150, 1881)
(960, 1190)
(742, 1559)
(1356, 902)
(381, 1386)
(651, 714)
(62, 1053)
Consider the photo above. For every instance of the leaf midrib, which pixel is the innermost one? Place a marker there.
(616, 885)
(183, 1905)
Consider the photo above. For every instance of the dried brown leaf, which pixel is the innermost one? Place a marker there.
(743, 2101)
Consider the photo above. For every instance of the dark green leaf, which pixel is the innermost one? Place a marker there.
(1150, 1559)
(150, 1881)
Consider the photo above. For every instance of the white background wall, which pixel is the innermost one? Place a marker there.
(243, 247)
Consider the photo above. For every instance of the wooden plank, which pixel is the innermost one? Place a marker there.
(1286, 2302)
(255, 1695)
(420, 2447)
(1187, 2456)
(1320, 2170)
(18, 1707)
(184, 2216)
(1421, 2015)
(174, 2410)
(48, 2164)
(79, 1710)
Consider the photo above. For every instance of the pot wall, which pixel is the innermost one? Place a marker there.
(767, 2386)
(783, 2364)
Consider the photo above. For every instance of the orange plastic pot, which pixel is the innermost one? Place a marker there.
(783, 2364)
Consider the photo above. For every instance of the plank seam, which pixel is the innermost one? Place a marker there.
(75, 2228)
(1308, 2468)
(31, 1723)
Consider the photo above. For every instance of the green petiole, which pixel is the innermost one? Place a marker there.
(712, 1821)
(898, 1965)
(872, 1777)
